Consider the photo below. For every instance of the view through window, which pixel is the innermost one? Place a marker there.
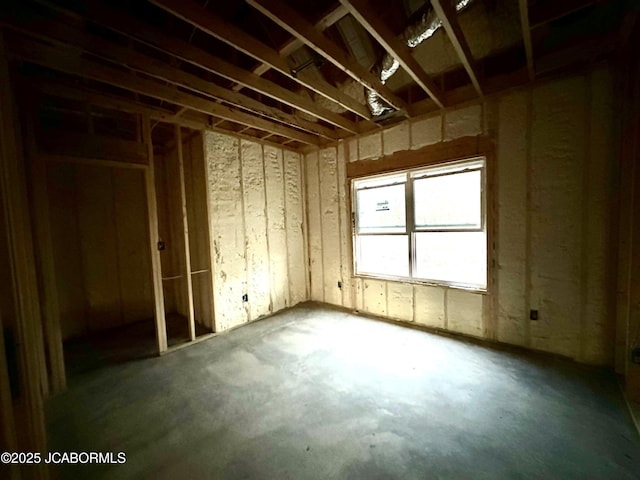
(423, 225)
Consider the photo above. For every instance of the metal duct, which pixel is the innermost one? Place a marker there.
(413, 36)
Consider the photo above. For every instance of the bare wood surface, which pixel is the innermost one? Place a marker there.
(75, 64)
(376, 26)
(449, 18)
(460, 148)
(156, 268)
(210, 23)
(289, 19)
(185, 226)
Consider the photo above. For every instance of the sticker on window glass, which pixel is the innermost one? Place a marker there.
(382, 206)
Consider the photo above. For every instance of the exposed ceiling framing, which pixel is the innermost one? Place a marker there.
(283, 72)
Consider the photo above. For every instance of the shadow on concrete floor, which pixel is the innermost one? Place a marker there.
(314, 393)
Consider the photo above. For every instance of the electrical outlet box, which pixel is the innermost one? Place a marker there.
(533, 314)
(245, 297)
(635, 355)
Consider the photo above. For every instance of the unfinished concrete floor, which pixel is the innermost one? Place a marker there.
(315, 393)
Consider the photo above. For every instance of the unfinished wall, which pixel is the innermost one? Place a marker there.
(256, 223)
(628, 281)
(198, 218)
(98, 224)
(555, 155)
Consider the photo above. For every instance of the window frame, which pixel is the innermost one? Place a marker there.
(482, 164)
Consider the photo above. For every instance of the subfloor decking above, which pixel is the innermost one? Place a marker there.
(316, 393)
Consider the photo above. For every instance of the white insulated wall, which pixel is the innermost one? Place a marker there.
(555, 157)
(256, 222)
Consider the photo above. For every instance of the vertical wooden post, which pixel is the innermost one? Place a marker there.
(152, 216)
(205, 173)
(44, 250)
(185, 224)
(23, 270)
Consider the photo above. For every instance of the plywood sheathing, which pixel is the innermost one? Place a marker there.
(171, 232)
(553, 176)
(257, 233)
(99, 233)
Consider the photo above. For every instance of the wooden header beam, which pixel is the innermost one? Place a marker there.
(463, 147)
(212, 24)
(376, 26)
(74, 64)
(449, 18)
(289, 19)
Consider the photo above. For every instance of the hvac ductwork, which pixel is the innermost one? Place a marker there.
(414, 35)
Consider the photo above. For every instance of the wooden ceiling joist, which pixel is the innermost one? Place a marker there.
(376, 26)
(212, 24)
(68, 36)
(75, 64)
(294, 43)
(130, 27)
(325, 22)
(111, 102)
(526, 37)
(448, 16)
(289, 19)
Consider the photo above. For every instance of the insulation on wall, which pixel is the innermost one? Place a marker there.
(256, 221)
(554, 153)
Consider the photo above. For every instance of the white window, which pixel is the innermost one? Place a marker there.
(424, 225)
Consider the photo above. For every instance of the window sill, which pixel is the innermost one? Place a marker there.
(427, 283)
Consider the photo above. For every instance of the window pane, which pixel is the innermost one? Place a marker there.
(383, 254)
(381, 209)
(457, 257)
(449, 201)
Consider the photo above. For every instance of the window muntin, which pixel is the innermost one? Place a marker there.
(435, 233)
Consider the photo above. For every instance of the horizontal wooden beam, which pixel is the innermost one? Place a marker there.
(457, 149)
(363, 11)
(449, 17)
(289, 19)
(207, 21)
(60, 142)
(294, 43)
(74, 64)
(118, 21)
(58, 89)
(492, 86)
(332, 17)
(93, 161)
(66, 35)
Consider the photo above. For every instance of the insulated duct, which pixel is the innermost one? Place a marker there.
(413, 36)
